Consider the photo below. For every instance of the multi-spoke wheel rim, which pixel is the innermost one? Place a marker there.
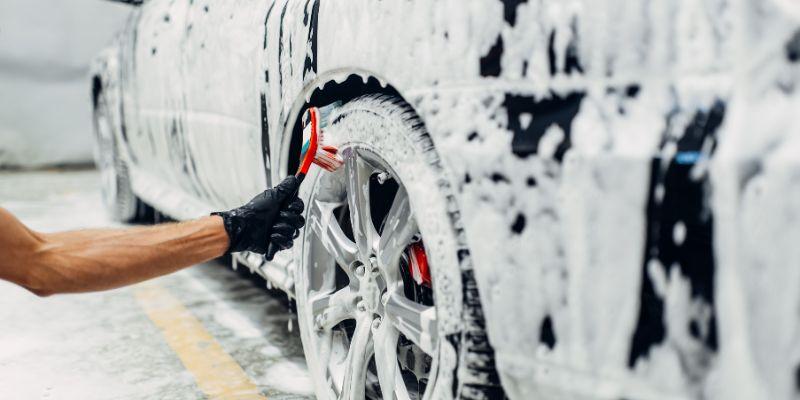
(362, 312)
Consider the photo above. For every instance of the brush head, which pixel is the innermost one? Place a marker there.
(314, 150)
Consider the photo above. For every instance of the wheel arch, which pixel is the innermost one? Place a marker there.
(97, 88)
(105, 78)
(104, 71)
(341, 85)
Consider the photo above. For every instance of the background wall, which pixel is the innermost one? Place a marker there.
(45, 50)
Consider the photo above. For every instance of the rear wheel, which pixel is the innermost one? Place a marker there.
(381, 272)
(118, 197)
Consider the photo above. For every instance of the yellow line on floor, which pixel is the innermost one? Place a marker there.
(217, 374)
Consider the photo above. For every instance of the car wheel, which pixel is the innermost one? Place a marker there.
(118, 197)
(387, 305)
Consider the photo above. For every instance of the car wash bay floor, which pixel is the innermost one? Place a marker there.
(205, 332)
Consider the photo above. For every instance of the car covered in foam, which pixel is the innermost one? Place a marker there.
(540, 199)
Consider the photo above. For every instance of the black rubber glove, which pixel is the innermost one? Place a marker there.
(274, 216)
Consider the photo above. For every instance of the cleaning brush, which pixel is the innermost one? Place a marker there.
(314, 150)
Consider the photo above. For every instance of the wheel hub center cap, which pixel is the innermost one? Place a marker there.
(370, 286)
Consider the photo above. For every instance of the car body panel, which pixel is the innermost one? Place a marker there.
(627, 173)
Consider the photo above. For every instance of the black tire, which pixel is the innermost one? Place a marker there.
(388, 129)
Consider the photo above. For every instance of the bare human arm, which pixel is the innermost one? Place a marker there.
(101, 259)
(92, 260)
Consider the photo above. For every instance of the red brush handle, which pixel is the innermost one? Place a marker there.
(271, 248)
(311, 152)
(302, 170)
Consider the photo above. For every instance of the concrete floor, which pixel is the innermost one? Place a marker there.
(113, 345)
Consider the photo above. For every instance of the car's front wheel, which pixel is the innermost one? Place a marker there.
(386, 301)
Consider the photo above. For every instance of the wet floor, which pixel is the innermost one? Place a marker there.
(171, 338)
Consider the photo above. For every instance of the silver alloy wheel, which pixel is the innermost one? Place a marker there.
(435, 322)
(372, 295)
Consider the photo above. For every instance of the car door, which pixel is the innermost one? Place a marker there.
(223, 91)
(157, 86)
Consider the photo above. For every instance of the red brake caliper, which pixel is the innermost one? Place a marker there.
(418, 264)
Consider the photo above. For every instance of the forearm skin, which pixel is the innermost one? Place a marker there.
(92, 260)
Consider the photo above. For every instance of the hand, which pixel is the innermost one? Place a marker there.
(274, 216)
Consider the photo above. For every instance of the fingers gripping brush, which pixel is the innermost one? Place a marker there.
(313, 151)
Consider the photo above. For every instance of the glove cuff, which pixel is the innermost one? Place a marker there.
(232, 229)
